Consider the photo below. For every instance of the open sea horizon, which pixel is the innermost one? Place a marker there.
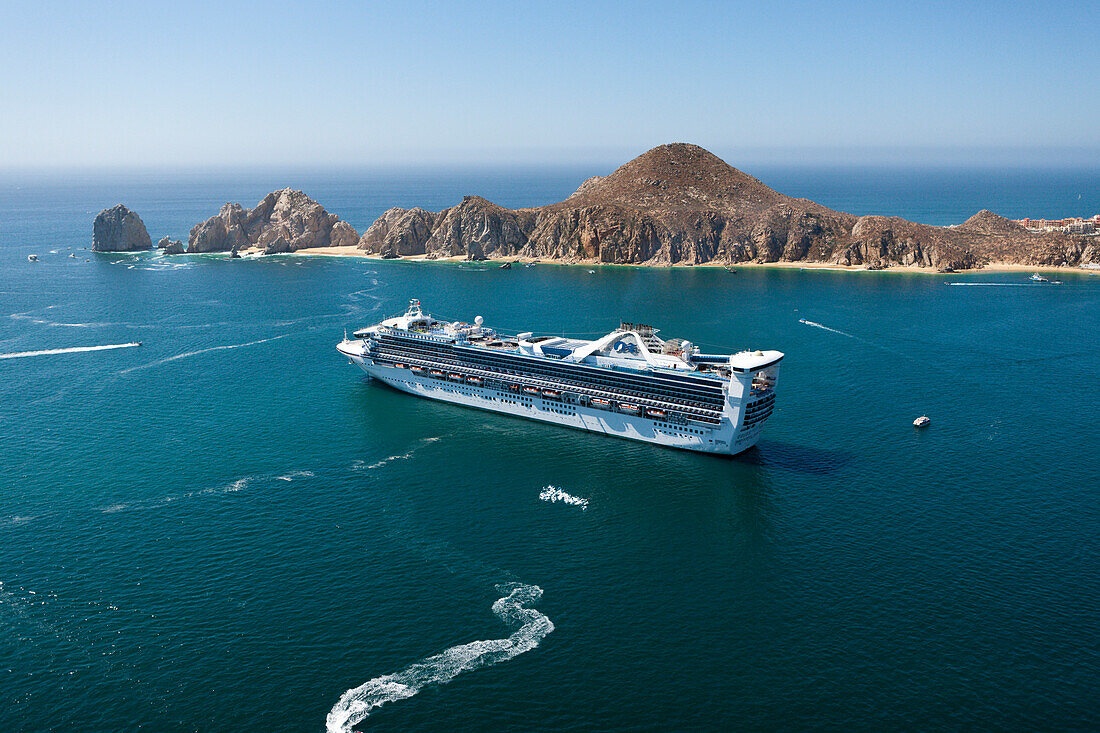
(229, 527)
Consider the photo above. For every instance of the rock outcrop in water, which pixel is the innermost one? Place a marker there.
(680, 204)
(170, 246)
(284, 221)
(118, 229)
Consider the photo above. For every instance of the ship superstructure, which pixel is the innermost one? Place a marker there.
(629, 383)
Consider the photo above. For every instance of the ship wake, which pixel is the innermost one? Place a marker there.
(553, 494)
(202, 351)
(818, 325)
(530, 627)
(68, 350)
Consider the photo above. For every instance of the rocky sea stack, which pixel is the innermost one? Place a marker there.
(284, 221)
(680, 204)
(170, 246)
(118, 229)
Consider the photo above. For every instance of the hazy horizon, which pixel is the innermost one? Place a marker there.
(284, 84)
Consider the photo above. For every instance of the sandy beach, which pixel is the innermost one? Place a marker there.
(352, 251)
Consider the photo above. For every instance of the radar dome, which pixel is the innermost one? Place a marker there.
(478, 320)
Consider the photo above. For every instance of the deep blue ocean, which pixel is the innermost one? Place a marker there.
(229, 528)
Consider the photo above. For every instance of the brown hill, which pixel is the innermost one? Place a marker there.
(674, 204)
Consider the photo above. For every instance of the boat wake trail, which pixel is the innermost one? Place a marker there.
(530, 626)
(295, 474)
(818, 325)
(201, 351)
(553, 494)
(996, 285)
(230, 488)
(362, 465)
(69, 350)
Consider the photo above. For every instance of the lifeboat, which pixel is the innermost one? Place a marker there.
(473, 380)
(655, 413)
(629, 408)
(531, 390)
(399, 365)
(600, 402)
(436, 373)
(551, 393)
(416, 368)
(455, 377)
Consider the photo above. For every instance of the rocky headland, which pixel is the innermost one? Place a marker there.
(679, 204)
(118, 229)
(284, 221)
(676, 204)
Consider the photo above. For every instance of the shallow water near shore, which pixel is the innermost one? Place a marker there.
(228, 527)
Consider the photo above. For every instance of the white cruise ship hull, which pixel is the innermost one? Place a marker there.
(725, 438)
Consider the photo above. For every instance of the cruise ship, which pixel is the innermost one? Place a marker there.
(629, 383)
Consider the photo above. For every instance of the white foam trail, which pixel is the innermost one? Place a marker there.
(69, 350)
(295, 474)
(530, 626)
(818, 325)
(16, 520)
(997, 285)
(202, 351)
(357, 465)
(553, 494)
(230, 488)
(388, 459)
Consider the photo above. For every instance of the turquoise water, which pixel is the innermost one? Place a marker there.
(228, 527)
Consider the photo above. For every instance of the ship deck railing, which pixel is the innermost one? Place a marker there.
(696, 413)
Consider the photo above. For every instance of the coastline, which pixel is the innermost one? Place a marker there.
(354, 251)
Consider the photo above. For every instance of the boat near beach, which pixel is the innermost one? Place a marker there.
(629, 383)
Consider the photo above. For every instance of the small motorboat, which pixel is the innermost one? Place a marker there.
(72, 255)
(32, 258)
(505, 266)
(1036, 277)
(921, 421)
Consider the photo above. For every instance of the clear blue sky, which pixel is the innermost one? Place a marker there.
(361, 84)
